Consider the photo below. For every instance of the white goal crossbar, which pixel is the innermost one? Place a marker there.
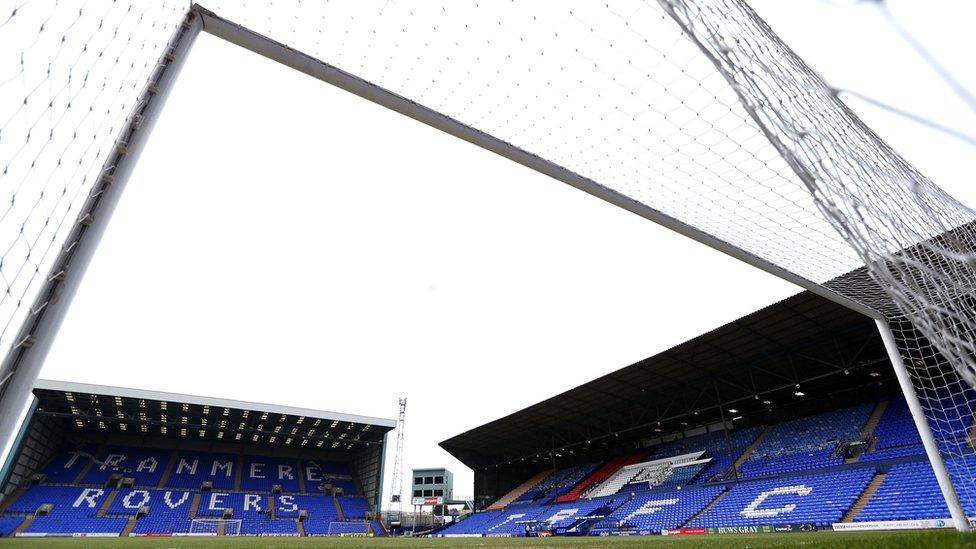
(215, 527)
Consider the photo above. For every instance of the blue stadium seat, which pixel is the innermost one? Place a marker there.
(817, 499)
(75, 508)
(651, 512)
(806, 443)
(191, 469)
(8, 525)
(67, 465)
(909, 491)
(261, 473)
(353, 507)
(145, 465)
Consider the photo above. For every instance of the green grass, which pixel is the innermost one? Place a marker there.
(866, 540)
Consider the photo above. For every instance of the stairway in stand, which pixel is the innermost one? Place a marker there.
(130, 525)
(864, 498)
(872, 423)
(301, 478)
(88, 466)
(103, 508)
(163, 480)
(194, 505)
(750, 449)
(23, 526)
(338, 508)
(867, 431)
(239, 472)
(705, 509)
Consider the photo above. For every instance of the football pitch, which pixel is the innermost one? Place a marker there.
(915, 539)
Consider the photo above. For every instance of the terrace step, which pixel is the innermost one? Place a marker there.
(130, 525)
(88, 466)
(864, 497)
(705, 509)
(103, 509)
(194, 505)
(163, 480)
(751, 448)
(517, 492)
(869, 426)
(239, 471)
(301, 477)
(338, 508)
(22, 526)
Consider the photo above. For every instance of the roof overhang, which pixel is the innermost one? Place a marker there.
(744, 372)
(122, 410)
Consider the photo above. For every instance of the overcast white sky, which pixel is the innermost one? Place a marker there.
(285, 242)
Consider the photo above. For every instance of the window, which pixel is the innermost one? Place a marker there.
(428, 480)
(438, 492)
(417, 493)
(418, 480)
(438, 480)
(428, 493)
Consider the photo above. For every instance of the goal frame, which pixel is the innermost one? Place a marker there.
(22, 363)
(216, 522)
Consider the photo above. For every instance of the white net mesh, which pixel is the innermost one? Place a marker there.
(693, 108)
(215, 527)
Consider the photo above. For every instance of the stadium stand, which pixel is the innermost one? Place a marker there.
(556, 484)
(798, 481)
(8, 524)
(66, 467)
(806, 443)
(76, 510)
(522, 489)
(816, 499)
(794, 475)
(909, 491)
(144, 466)
(192, 469)
(652, 512)
(261, 474)
(72, 511)
(599, 475)
(92, 508)
(110, 461)
(895, 435)
(353, 507)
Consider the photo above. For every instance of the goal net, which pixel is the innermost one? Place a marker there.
(691, 113)
(348, 529)
(215, 527)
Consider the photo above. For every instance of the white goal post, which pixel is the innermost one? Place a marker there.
(215, 527)
(341, 529)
